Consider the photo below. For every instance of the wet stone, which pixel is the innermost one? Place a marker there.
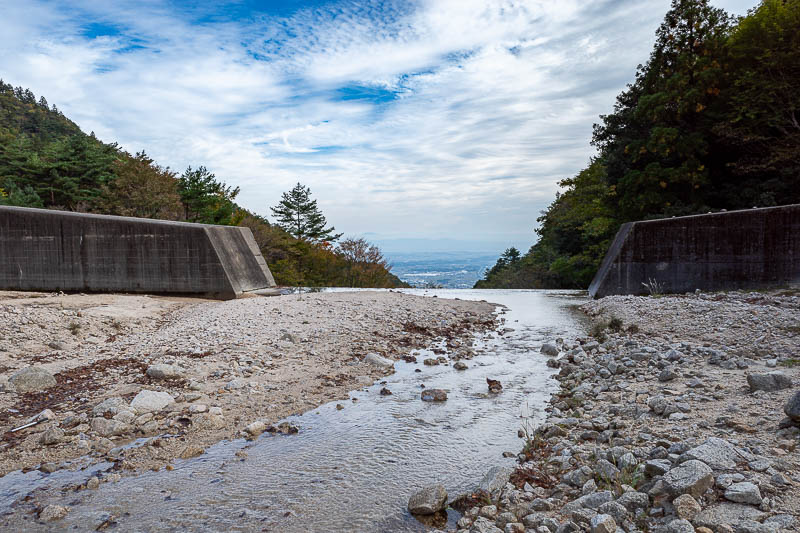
(434, 395)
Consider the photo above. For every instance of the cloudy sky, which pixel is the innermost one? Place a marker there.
(420, 119)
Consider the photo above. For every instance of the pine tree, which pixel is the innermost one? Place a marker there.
(299, 215)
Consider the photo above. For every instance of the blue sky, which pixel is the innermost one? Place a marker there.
(408, 119)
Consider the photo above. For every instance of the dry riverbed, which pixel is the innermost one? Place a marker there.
(102, 370)
(673, 418)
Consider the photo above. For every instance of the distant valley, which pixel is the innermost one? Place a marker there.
(453, 270)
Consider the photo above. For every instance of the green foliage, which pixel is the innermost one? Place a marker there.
(712, 121)
(299, 215)
(47, 161)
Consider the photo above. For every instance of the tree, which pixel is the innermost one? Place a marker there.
(299, 215)
(141, 189)
(366, 266)
(206, 200)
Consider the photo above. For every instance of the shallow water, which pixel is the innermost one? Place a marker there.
(354, 469)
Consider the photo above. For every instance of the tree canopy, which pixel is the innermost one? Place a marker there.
(711, 122)
(299, 215)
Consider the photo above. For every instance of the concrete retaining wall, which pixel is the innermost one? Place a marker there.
(58, 250)
(749, 249)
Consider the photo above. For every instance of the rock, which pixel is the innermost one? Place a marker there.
(255, 428)
(504, 519)
(783, 521)
(606, 470)
(484, 525)
(125, 416)
(93, 483)
(657, 467)
(617, 511)
(434, 395)
(198, 408)
(495, 480)
(792, 407)
(106, 427)
(460, 366)
(603, 523)
(488, 511)
(494, 385)
(578, 477)
(727, 514)
(677, 526)
(771, 382)
(31, 379)
(192, 450)
(430, 362)
(686, 507)
(589, 501)
(163, 371)
(514, 527)
(53, 512)
(235, 384)
(634, 502)
(550, 349)
(148, 401)
(379, 361)
(743, 493)
(668, 374)
(428, 500)
(51, 436)
(717, 453)
(692, 477)
(109, 405)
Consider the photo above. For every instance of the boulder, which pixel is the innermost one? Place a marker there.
(106, 427)
(717, 453)
(677, 526)
(163, 371)
(495, 479)
(603, 523)
(668, 374)
(111, 405)
(771, 382)
(378, 360)
(51, 436)
(31, 379)
(744, 492)
(53, 512)
(428, 500)
(727, 514)
(692, 477)
(686, 507)
(484, 525)
(434, 395)
(550, 349)
(148, 401)
(792, 407)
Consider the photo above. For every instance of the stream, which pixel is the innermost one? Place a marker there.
(352, 469)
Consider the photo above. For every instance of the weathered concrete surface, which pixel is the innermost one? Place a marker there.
(59, 250)
(747, 249)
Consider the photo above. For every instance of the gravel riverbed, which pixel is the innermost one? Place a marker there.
(97, 371)
(680, 414)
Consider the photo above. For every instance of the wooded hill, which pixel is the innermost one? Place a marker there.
(711, 122)
(47, 161)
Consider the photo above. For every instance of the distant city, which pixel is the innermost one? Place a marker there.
(452, 270)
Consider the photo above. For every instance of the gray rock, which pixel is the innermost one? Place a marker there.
(750, 526)
(771, 382)
(745, 492)
(236, 384)
(428, 500)
(163, 371)
(568, 527)
(589, 501)
(52, 513)
(727, 514)
(111, 405)
(792, 407)
(52, 436)
(692, 477)
(31, 379)
(505, 518)
(106, 427)
(434, 395)
(668, 374)
(606, 470)
(460, 365)
(495, 480)
(717, 453)
(484, 525)
(148, 401)
(378, 360)
(550, 349)
(603, 523)
(514, 527)
(677, 526)
(634, 502)
(783, 521)
(578, 477)
(616, 510)
(657, 467)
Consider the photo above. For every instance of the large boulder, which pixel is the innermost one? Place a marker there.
(792, 407)
(717, 453)
(744, 492)
(148, 401)
(428, 500)
(32, 379)
(769, 382)
(692, 477)
(379, 361)
(495, 479)
(163, 371)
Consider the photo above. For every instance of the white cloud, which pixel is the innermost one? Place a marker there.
(493, 99)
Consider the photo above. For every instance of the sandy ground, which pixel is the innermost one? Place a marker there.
(229, 364)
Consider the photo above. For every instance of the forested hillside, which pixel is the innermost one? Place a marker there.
(47, 161)
(711, 122)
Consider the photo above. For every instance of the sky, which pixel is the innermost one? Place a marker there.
(413, 120)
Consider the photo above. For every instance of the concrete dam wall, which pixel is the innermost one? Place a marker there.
(46, 250)
(749, 249)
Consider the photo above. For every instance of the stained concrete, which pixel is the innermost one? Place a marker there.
(748, 249)
(47, 250)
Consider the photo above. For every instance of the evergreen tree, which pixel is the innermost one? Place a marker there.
(299, 215)
(206, 200)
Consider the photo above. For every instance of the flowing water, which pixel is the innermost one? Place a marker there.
(351, 469)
